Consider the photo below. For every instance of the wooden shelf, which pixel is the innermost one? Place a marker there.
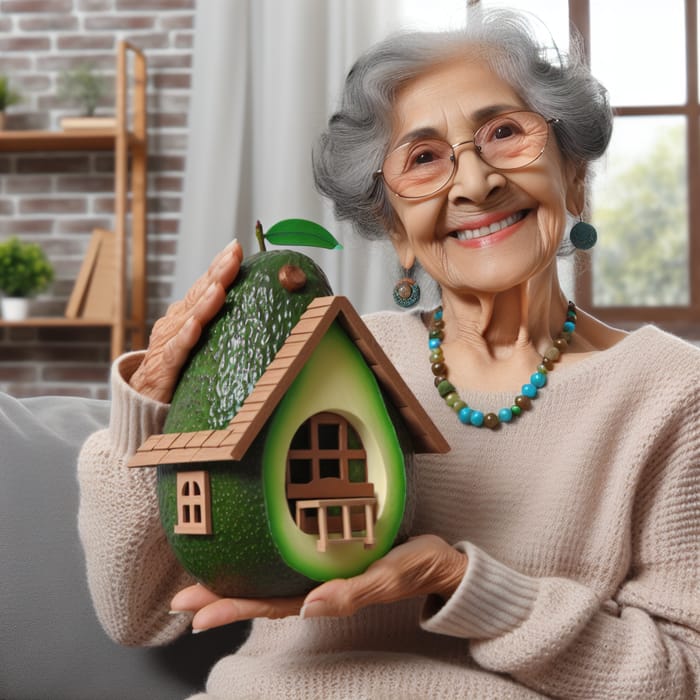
(55, 321)
(127, 140)
(93, 140)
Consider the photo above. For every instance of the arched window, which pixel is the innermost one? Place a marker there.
(193, 504)
(327, 482)
(326, 446)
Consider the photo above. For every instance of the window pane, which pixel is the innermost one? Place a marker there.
(302, 438)
(549, 19)
(329, 468)
(433, 15)
(300, 471)
(641, 212)
(625, 53)
(328, 436)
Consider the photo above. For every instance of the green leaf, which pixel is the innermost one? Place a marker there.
(301, 232)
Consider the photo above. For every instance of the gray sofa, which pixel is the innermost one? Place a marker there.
(51, 645)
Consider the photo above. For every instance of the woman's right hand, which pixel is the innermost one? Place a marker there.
(421, 566)
(176, 333)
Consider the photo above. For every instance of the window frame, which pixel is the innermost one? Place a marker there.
(682, 320)
(315, 454)
(198, 522)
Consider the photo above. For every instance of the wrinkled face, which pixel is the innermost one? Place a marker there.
(488, 230)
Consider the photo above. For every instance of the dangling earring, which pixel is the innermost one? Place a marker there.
(583, 236)
(406, 291)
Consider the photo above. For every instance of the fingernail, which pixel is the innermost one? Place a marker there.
(179, 612)
(186, 326)
(315, 608)
(198, 630)
(231, 244)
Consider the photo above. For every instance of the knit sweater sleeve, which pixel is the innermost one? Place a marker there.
(560, 635)
(132, 573)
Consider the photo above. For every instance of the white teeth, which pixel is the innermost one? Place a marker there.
(493, 228)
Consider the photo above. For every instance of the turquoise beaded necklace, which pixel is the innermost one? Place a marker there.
(522, 402)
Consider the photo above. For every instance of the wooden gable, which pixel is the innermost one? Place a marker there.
(232, 442)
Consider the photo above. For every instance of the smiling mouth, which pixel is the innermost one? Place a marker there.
(471, 234)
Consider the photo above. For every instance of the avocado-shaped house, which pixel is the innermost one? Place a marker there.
(326, 434)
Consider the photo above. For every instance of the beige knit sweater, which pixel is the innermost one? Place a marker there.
(581, 521)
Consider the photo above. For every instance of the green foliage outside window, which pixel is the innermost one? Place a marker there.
(642, 219)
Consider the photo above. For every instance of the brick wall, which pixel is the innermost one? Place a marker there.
(57, 199)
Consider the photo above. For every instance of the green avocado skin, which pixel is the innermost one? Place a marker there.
(240, 558)
(241, 341)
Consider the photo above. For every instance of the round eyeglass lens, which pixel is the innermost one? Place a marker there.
(424, 166)
(419, 167)
(513, 140)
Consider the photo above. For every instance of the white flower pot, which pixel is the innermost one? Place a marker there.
(15, 308)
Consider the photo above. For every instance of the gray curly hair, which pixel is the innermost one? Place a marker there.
(355, 143)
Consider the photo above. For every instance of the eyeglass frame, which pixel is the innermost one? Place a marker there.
(453, 147)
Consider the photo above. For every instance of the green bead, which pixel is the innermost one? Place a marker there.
(436, 356)
(451, 398)
(445, 388)
(522, 402)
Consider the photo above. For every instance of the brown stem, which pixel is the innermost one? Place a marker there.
(260, 237)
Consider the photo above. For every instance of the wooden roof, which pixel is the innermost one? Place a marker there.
(232, 442)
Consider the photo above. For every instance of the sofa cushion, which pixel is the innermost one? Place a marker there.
(51, 645)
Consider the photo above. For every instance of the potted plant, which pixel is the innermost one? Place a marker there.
(82, 87)
(24, 271)
(8, 97)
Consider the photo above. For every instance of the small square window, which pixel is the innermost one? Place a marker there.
(302, 438)
(328, 436)
(329, 468)
(300, 471)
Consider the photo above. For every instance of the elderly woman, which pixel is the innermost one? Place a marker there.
(555, 549)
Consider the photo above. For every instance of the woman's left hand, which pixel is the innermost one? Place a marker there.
(421, 566)
(176, 333)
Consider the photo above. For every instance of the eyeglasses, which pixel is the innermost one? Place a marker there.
(424, 166)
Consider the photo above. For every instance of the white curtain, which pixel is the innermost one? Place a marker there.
(266, 76)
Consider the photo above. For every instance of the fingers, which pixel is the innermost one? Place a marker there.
(229, 265)
(421, 566)
(344, 597)
(207, 294)
(178, 347)
(175, 334)
(227, 610)
(192, 598)
(222, 271)
(213, 611)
